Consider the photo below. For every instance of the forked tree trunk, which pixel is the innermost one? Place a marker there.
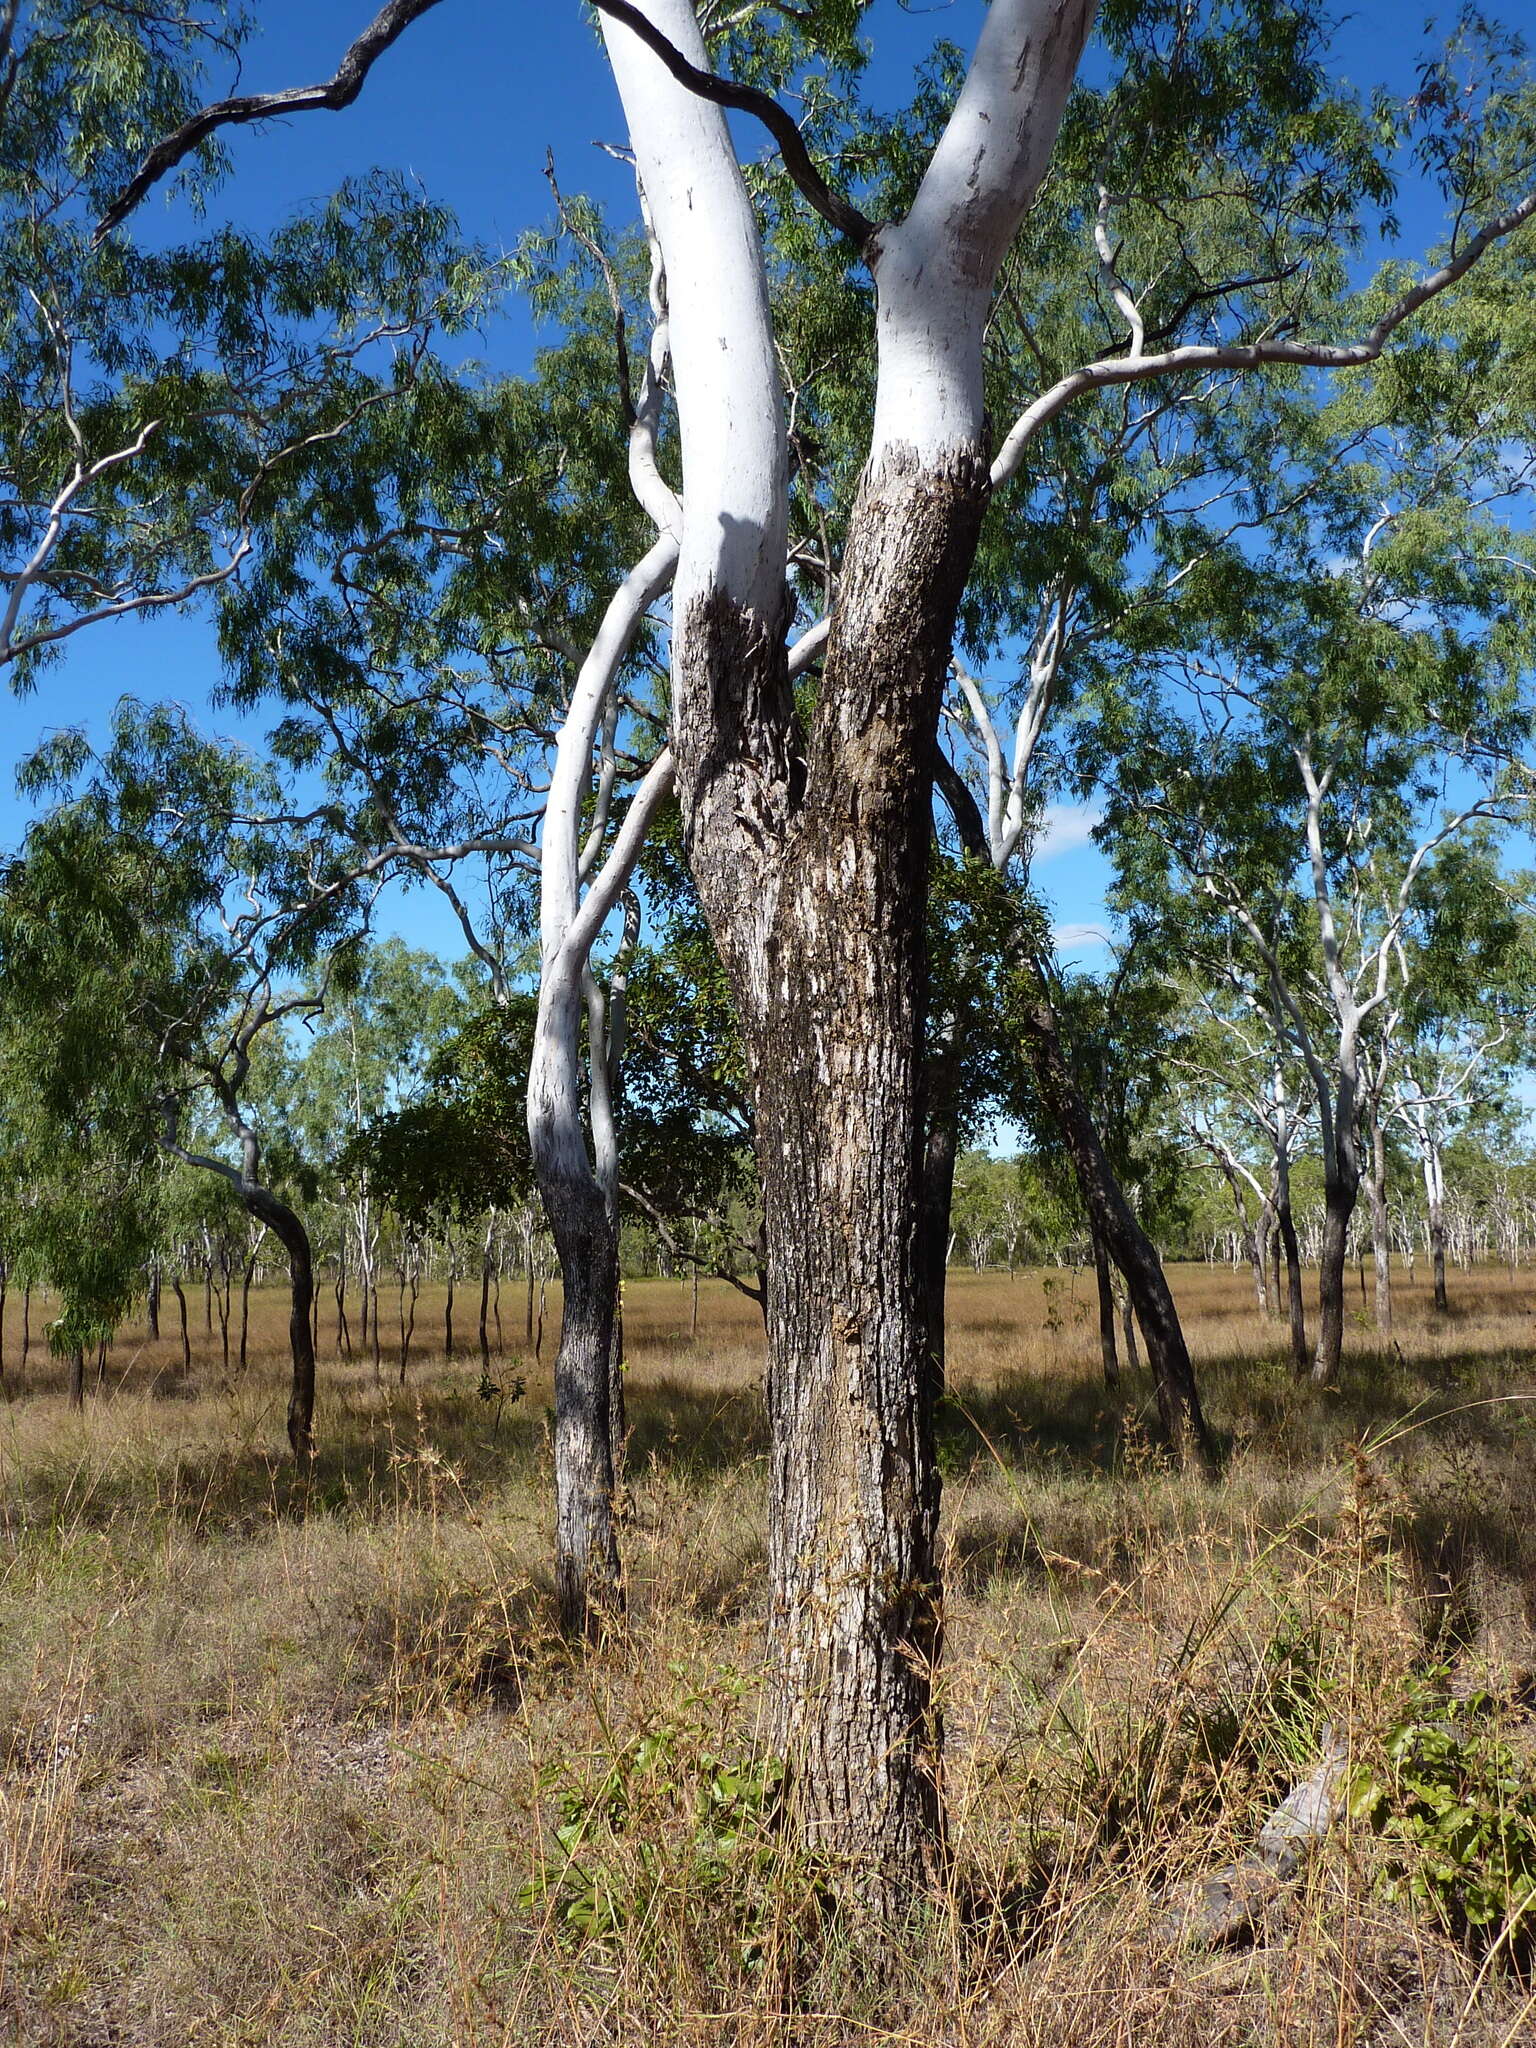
(810, 853)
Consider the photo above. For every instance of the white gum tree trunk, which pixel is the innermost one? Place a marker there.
(581, 1218)
(810, 854)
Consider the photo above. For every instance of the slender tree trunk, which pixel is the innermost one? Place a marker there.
(152, 1301)
(939, 1155)
(77, 1378)
(26, 1322)
(588, 1583)
(1434, 1190)
(1107, 1349)
(290, 1233)
(485, 1311)
(1178, 1396)
(448, 1316)
(181, 1306)
(1381, 1227)
(1295, 1298)
(245, 1310)
(221, 1302)
(1128, 1328)
(1340, 1194)
(343, 1327)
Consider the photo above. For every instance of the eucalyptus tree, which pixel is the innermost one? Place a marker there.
(157, 926)
(158, 397)
(1245, 1094)
(78, 1206)
(365, 1054)
(1465, 1030)
(1320, 750)
(1039, 1073)
(807, 817)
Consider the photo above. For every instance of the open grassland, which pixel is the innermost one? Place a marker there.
(307, 1764)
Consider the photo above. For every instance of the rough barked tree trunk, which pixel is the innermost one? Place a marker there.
(186, 1340)
(811, 860)
(586, 1545)
(1340, 1194)
(260, 1202)
(1111, 1220)
(290, 1233)
(835, 1002)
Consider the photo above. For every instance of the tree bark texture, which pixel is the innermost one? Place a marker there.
(587, 1581)
(811, 861)
(1339, 1197)
(290, 1233)
(823, 940)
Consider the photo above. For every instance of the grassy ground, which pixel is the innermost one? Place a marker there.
(284, 1766)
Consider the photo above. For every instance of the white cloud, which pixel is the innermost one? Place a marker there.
(1064, 827)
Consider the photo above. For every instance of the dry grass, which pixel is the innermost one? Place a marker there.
(279, 1766)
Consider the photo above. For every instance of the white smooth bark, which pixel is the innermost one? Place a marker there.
(729, 401)
(935, 270)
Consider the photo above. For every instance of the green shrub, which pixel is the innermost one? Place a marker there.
(1455, 1809)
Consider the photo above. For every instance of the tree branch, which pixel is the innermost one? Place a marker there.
(1318, 355)
(337, 92)
(746, 99)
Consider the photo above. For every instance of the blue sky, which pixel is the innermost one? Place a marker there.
(468, 102)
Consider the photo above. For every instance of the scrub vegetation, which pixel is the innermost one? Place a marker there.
(305, 1759)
